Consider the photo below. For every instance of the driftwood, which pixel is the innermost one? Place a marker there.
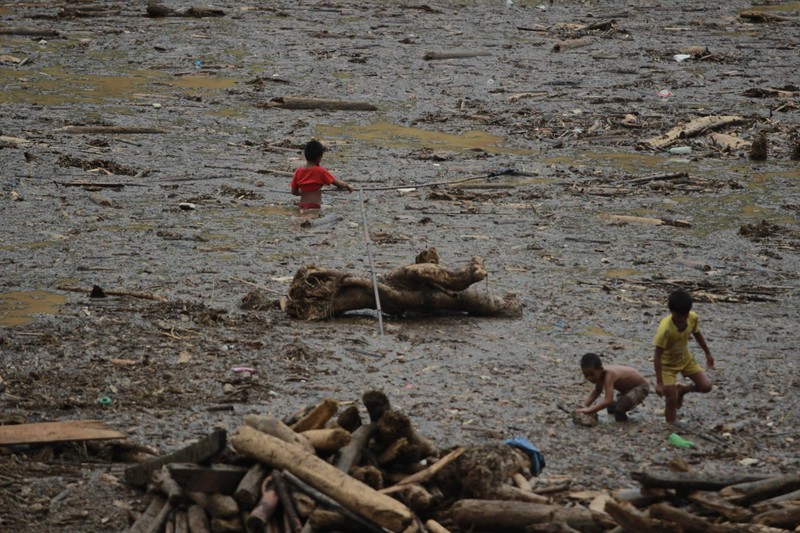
(317, 417)
(132, 294)
(646, 220)
(758, 150)
(729, 142)
(260, 515)
(153, 518)
(197, 519)
(248, 492)
(291, 102)
(431, 56)
(713, 502)
(213, 478)
(569, 44)
(748, 492)
(276, 428)
(511, 516)
(687, 521)
(326, 478)
(327, 440)
(765, 16)
(686, 481)
(318, 293)
(692, 129)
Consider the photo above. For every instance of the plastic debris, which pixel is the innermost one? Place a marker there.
(664, 93)
(679, 442)
(680, 150)
(537, 458)
(105, 400)
(682, 57)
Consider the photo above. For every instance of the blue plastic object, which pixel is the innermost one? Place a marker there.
(537, 458)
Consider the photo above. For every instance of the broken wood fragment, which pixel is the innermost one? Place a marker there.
(153, 518)
(267, 504)
(693, 128)
(690, 481)
(276, 428)
(752, 491)
(157, 11)
(499, 515)
(198, 519)
(765, 16)
(758, 150)
(569, 44)
(291, 102)
(318, 416)
(27, 30)
(286, 501)
(712, 501)
(327, 440)
(729, 142)
(42, 432)
(167, 485)
(248, 491)
(688, 521)
(213, 478)
(432, 56)
(198, 452)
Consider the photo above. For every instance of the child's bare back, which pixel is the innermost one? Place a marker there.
(624, 378)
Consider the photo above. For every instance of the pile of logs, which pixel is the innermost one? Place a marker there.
(324, 469)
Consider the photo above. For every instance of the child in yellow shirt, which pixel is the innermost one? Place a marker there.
(672, 354)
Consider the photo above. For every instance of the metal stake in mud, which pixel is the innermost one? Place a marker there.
(371, 263)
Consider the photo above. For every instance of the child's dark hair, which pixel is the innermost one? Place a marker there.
(313, 150)
(591, 360)
(680, 302)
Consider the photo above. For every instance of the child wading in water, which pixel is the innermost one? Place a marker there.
(308, 180)
(672, 354)
(630, 384)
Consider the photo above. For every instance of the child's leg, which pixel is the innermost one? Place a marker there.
(700, 383)
(671, 400)
(628, 401)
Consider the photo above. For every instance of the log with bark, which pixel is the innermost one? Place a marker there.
(327, 104)
(319, 293)
(157, 10)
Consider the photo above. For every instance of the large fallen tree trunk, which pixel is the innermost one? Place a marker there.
(319, 293)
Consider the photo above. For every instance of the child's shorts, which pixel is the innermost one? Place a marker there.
(686, 366)
(309, 205)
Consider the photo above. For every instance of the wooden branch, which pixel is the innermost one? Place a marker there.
(765, 16)
(260, 515)
(198, 519)
(132, 294)
(423, 476)
(693, 128)
(688, 481)
(290, 102)
(748, 492)
(288, 505)
(657, 177)
(712, 500)
(350, 453)
(499, 515)
(109, 130)
(432, 56)
(168, 486)
(784, 518)
(435, 527)
(645, 220)
(42, 432)
(628, 517)
(152, 520)
(729, 142)
(324, 477)
(688, 522)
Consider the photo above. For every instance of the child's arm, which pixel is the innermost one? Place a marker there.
(339, 184)
(608, 399)
(598, 388)
(296, 190)
(698, 336)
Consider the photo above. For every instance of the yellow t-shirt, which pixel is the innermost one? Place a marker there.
(675, 343)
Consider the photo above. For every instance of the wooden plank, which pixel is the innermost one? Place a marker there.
(201, 451)
(214, 478)
(72, 430)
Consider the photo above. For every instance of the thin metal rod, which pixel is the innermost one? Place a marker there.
(371, 264)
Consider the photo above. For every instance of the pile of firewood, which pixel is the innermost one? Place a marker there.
(324, 469)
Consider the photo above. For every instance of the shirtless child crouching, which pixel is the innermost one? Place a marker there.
(630, 384)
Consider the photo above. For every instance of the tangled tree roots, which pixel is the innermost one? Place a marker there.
(319, 293)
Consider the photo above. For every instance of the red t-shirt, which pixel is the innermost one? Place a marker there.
(311, 179)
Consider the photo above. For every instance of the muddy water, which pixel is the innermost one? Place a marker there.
(587, 284)
(21, 307)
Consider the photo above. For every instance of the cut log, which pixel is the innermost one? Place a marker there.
(198, 519)
(42, 432)
(168, 486)
(248, 491)
(693, 128)
(688, 522)
(317, 417)
(26, 30)
(154, 517)
(214, 478)
(350, 493)
(749, 492)
(290, 102)
(198, 452)
(512, 516)
(265, 508)
(729, 142)
(690, 481)
(276, 428)
(349, 454)
(327, 440)
(318, 293)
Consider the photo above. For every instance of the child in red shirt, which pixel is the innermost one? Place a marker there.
(308, 180)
